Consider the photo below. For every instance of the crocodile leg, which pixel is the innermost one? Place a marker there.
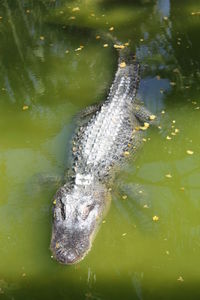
(143, 114)
(89, 110)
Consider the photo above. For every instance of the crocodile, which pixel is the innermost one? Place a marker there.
(110, 132)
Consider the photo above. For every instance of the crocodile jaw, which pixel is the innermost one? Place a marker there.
(77, 216)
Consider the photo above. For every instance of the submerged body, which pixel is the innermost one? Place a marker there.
(111, 131)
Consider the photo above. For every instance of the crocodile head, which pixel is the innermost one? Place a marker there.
(78, 213)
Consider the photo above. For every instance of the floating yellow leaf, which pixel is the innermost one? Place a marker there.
(124, 197)
(79, 49)
(76, 9)
(180, 279)
(122, 64)
(42, 38)
(168, 176)
(152, 117)
(54, 201)
(126, 153)
(146, 125)
(155, 218)
(116, 46)
(190, 152)
(25, 107)
(105, 45)
(98, 37)
(168, 137)
(111, 28)
(124, 234)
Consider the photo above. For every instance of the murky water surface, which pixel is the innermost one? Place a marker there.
(149, 245)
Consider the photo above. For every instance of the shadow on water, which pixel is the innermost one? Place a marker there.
(133, 287)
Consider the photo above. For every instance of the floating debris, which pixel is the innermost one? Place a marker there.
(167, 252)
(79, 48)
(146, 206)
(197, 13)
(126, 153)
(145, 127)
(180, 279)
(104, 221)
(122, 64)
(168, 137)
(152, 117)
(25, 107)
(98, 37)
(72, 18)
(163, 112)
(116, 46)
(67, 51)
(124, 197)
(111, 28)
(176, 130)
(54, 202)
(165, 18)
(168, 175)
(42, 38)
(190, 152)
(124, 234)
(105, 45)
(76, 9)
(155, 218)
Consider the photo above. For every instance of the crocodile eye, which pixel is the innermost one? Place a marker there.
(87, 210)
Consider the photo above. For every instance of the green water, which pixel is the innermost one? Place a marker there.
(133, 257)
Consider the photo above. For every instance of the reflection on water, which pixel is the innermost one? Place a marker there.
(44, 81)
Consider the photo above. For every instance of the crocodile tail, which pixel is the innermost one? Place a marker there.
(126, 55)
(127, 77)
